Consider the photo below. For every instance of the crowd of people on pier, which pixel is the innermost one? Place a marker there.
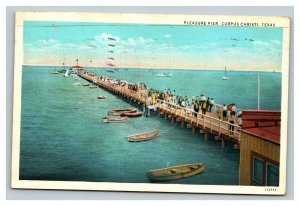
(199, 104)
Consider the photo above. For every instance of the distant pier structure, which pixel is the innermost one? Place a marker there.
(208, 124)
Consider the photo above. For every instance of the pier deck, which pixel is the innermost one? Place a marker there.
(207, 124)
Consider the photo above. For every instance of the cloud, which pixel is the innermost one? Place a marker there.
(275, 42)
(103, 37)
(47, 42)
(261, 43)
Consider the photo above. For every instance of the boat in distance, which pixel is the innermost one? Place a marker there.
(114, 120)
(117, 112)
(143, 136)
(175, 172)
(55, 72)
(163, 75)
(66, 74)
(225, 77)
(131, 114)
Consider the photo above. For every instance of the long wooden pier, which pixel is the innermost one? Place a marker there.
(207, 124)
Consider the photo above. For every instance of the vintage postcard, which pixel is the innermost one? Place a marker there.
(150, 102)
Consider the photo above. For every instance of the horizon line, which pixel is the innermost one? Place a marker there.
(102, 67)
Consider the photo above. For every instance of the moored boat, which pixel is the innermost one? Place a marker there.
(117, 112)
(131, 114)
(114, 120)
(86, 84)
(101, 97)
(77, 84)
(93, 86)
(175, 172)
(54, 72)
(143, 136)
(163, 75)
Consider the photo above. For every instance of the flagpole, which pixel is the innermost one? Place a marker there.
(258, 92)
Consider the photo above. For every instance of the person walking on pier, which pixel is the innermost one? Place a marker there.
(233, 109)
(220, 112)
(224, 109)
(207, 104)
(211, 104)
(231, 119)
(202, 99)
(204, 107)
(196, 107)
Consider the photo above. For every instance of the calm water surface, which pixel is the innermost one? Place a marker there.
(63, 136)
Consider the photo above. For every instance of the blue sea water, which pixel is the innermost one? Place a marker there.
(63, 136)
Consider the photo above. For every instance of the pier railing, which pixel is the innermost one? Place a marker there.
(197, 119)
(207, 122)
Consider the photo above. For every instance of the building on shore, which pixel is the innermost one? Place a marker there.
(260, 148)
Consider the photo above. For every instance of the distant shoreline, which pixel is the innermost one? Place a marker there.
(200, 69)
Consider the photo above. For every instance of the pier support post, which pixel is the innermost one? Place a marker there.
(217, 138)
(193, 130)
(166, 115)
(182, 124)
(172, 120)
(201, 131)
(223, 143)
(205, 136)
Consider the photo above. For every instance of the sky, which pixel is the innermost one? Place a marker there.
(152, 46)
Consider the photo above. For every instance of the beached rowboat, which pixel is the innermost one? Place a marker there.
(117, 112)
(114, 120)
(131, 114)
(143, 136)
(175, 172)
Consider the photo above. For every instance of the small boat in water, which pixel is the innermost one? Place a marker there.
(143, 136)
(66, 74)
(225, 77)
(117, 112)
(54, 72)
(101, 97)
(163, 75)
(77, 84)
(175, 172)
(114, 120)
(86, 84)
(93, 86)
(131, 114)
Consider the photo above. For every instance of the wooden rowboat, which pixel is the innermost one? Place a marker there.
(143, 136)
(114, 120)
(86, 84)
(93, 87)
(175, 172)
(101, 97)
(131, 114)
(117, 112)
